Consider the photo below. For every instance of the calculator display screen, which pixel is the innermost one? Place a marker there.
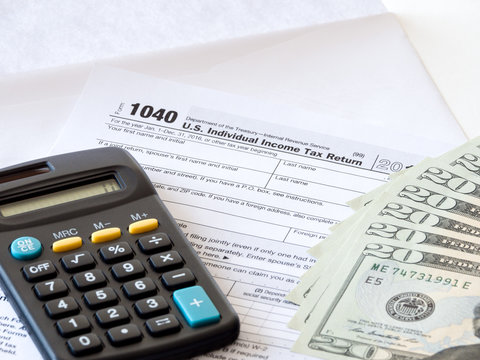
(60, 197)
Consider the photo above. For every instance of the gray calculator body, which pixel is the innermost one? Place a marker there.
(97, 268)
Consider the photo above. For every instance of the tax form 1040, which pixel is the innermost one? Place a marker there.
(251, 192)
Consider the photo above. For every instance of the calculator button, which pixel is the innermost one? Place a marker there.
(195, 306)
(163, 325)
(178, 278)
(112, 316)
(78, 262)
(166, 261)
(73, 326)
(124, 335)
(105, 235)
(84, 344)
(89, 280)
(154, 243)
(63, 307)
(128, 270)
(140, 288)
(117, 252)
(67, 244)
(150, 307)
(26, 248)
(51, 289)
(39, 271)
(143, 226)
(97, 299)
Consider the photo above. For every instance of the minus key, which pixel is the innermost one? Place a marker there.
(178, 278)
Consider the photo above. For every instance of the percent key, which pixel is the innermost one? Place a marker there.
(114, 253)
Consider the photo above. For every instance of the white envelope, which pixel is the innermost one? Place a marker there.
(361, 71)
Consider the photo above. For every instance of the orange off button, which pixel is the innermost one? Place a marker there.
(142, 226)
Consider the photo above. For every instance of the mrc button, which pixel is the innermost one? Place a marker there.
(25, 248)
(39, 271)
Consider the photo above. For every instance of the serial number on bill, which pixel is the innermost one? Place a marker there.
(414, 275)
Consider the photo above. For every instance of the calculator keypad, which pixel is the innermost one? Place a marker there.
(90, 279)
(51, 289)
(195, 306)
(112, 316)
(177, 279)
(124, 335)
(123, 277)
(154, 243)
(73, 326)
(150, 307)
(128, 270)
(105, 235)
(116, 252)
(143, 226)
(137, 289)
(67, 244)
(62, 307)
(97, 299)
(85, 344)
(25, 248)
(163, 325)
(78, 262)
(39, 271)
(166, 261)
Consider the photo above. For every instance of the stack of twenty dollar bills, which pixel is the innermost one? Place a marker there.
(400, 279)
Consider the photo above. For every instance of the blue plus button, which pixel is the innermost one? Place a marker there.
(26, 248)
(195, 306)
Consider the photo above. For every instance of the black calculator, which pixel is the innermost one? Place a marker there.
(97, 268)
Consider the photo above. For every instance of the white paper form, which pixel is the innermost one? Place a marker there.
(251, 193)
(15, 342)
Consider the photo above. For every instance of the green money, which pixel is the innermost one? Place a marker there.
(380, 228)
(431, 217)
(390, 302)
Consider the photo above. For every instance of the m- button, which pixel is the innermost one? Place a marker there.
(39, 271)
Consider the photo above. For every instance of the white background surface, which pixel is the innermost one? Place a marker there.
(43, 34)
(48, 47)
(446, 36)
(361, 77)
(39, 38)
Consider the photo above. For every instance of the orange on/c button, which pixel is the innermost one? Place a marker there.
(139, 227)
(107, 234)
(67, 244)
